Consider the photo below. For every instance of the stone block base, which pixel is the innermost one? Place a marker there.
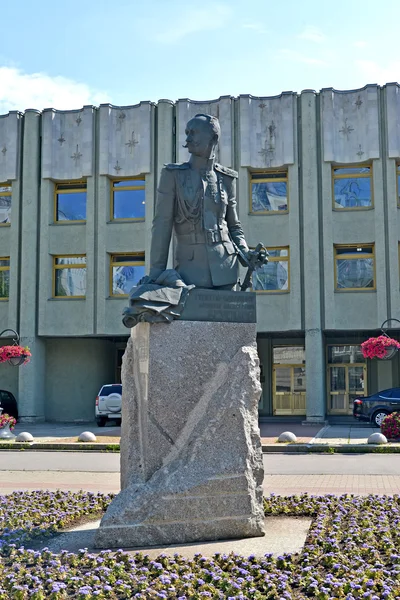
(191, 460)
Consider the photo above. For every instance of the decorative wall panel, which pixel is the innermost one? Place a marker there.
(393, 119)
(267, 130)
(350, 122)
(67, 143)
(125, 139)
(222, 109)
(9, 145)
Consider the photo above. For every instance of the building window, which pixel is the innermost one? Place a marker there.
(128, 200)
(398, 184)
(347, 378)
(289, 380)
(5, 204)
(274, 276)
(269, 192)
(70, 201)
(354, 267)
(126, 270)
(4, 277)
(352, 187)
(69, 276)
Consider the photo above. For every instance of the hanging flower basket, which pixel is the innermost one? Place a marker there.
(382, 347)
(15, 355)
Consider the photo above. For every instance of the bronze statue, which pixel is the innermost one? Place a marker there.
(197, 201)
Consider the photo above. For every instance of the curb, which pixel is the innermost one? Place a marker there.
(330, 449)
(78, 447)
(266, 448)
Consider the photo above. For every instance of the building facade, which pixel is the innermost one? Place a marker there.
(318, 184)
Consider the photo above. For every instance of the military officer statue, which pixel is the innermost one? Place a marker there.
(197, 201)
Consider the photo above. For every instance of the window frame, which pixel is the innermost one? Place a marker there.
(397, 184)
(127, 264)
(351, 257)
(128, 188)
(67, 266)
(5, 268)
(276, 259)
(266, 179)
(6, 184)
(369, 175)
(70, 191)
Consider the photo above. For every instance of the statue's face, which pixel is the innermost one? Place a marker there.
(200, 138)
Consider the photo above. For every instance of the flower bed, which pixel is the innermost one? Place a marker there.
(351, 552)
(391, 426)
(6, 419)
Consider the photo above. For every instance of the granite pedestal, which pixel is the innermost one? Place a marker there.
(191, 460)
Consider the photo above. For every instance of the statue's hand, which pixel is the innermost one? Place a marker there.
(258, 257)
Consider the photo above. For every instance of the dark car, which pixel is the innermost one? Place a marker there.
(9, 404)
(376, 407)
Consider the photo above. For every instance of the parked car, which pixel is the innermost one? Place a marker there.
(108, 404)
(9, 404)
(376, 407)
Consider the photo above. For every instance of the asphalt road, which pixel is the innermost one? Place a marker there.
(274, 464)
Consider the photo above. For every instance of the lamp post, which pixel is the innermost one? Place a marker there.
(15, 361)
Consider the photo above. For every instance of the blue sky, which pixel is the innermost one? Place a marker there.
(66, 53)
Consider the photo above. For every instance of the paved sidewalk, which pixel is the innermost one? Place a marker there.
(284, 485)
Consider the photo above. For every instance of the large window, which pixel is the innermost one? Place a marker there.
(69, 275)
(398, 184)
(70, 201)
(5, 204)
(354, 267)
(4, 277)
(125, 272)
(128, 200)
(274, 276)
(289, 380)
(269, 192)
(352, 187)
(347, 378)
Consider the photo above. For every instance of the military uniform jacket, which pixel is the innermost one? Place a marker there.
(200, 207)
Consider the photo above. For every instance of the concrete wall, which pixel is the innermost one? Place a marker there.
(76, 369)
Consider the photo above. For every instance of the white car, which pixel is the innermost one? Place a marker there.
(108, 404)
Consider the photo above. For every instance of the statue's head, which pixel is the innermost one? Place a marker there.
(202, 135)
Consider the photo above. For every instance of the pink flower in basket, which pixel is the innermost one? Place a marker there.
(378, 347)
(7, 419)
(12, 353)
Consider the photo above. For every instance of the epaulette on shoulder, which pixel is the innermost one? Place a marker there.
(226, 170)
(173, 166)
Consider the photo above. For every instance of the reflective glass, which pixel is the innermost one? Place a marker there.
(398, 189)
(352, 170)
(355, 273)
(129, 183)
(269, 196)
(337, 379)
(283, 379)
(289, 355)
(356, 381)
(71, 207)
(345, 354)
(70, 282)
(4, 284)
(352, 192)
(126, 277)
(71, 260)
(299, 379)
(5, 204)
(272, 276)
(129, 204)
(4, 262)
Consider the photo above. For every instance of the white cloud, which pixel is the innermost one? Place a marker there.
(312, 34)
(373, 72)
(254, 26)
(292, 55)
(187, 22)
(19, 90)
